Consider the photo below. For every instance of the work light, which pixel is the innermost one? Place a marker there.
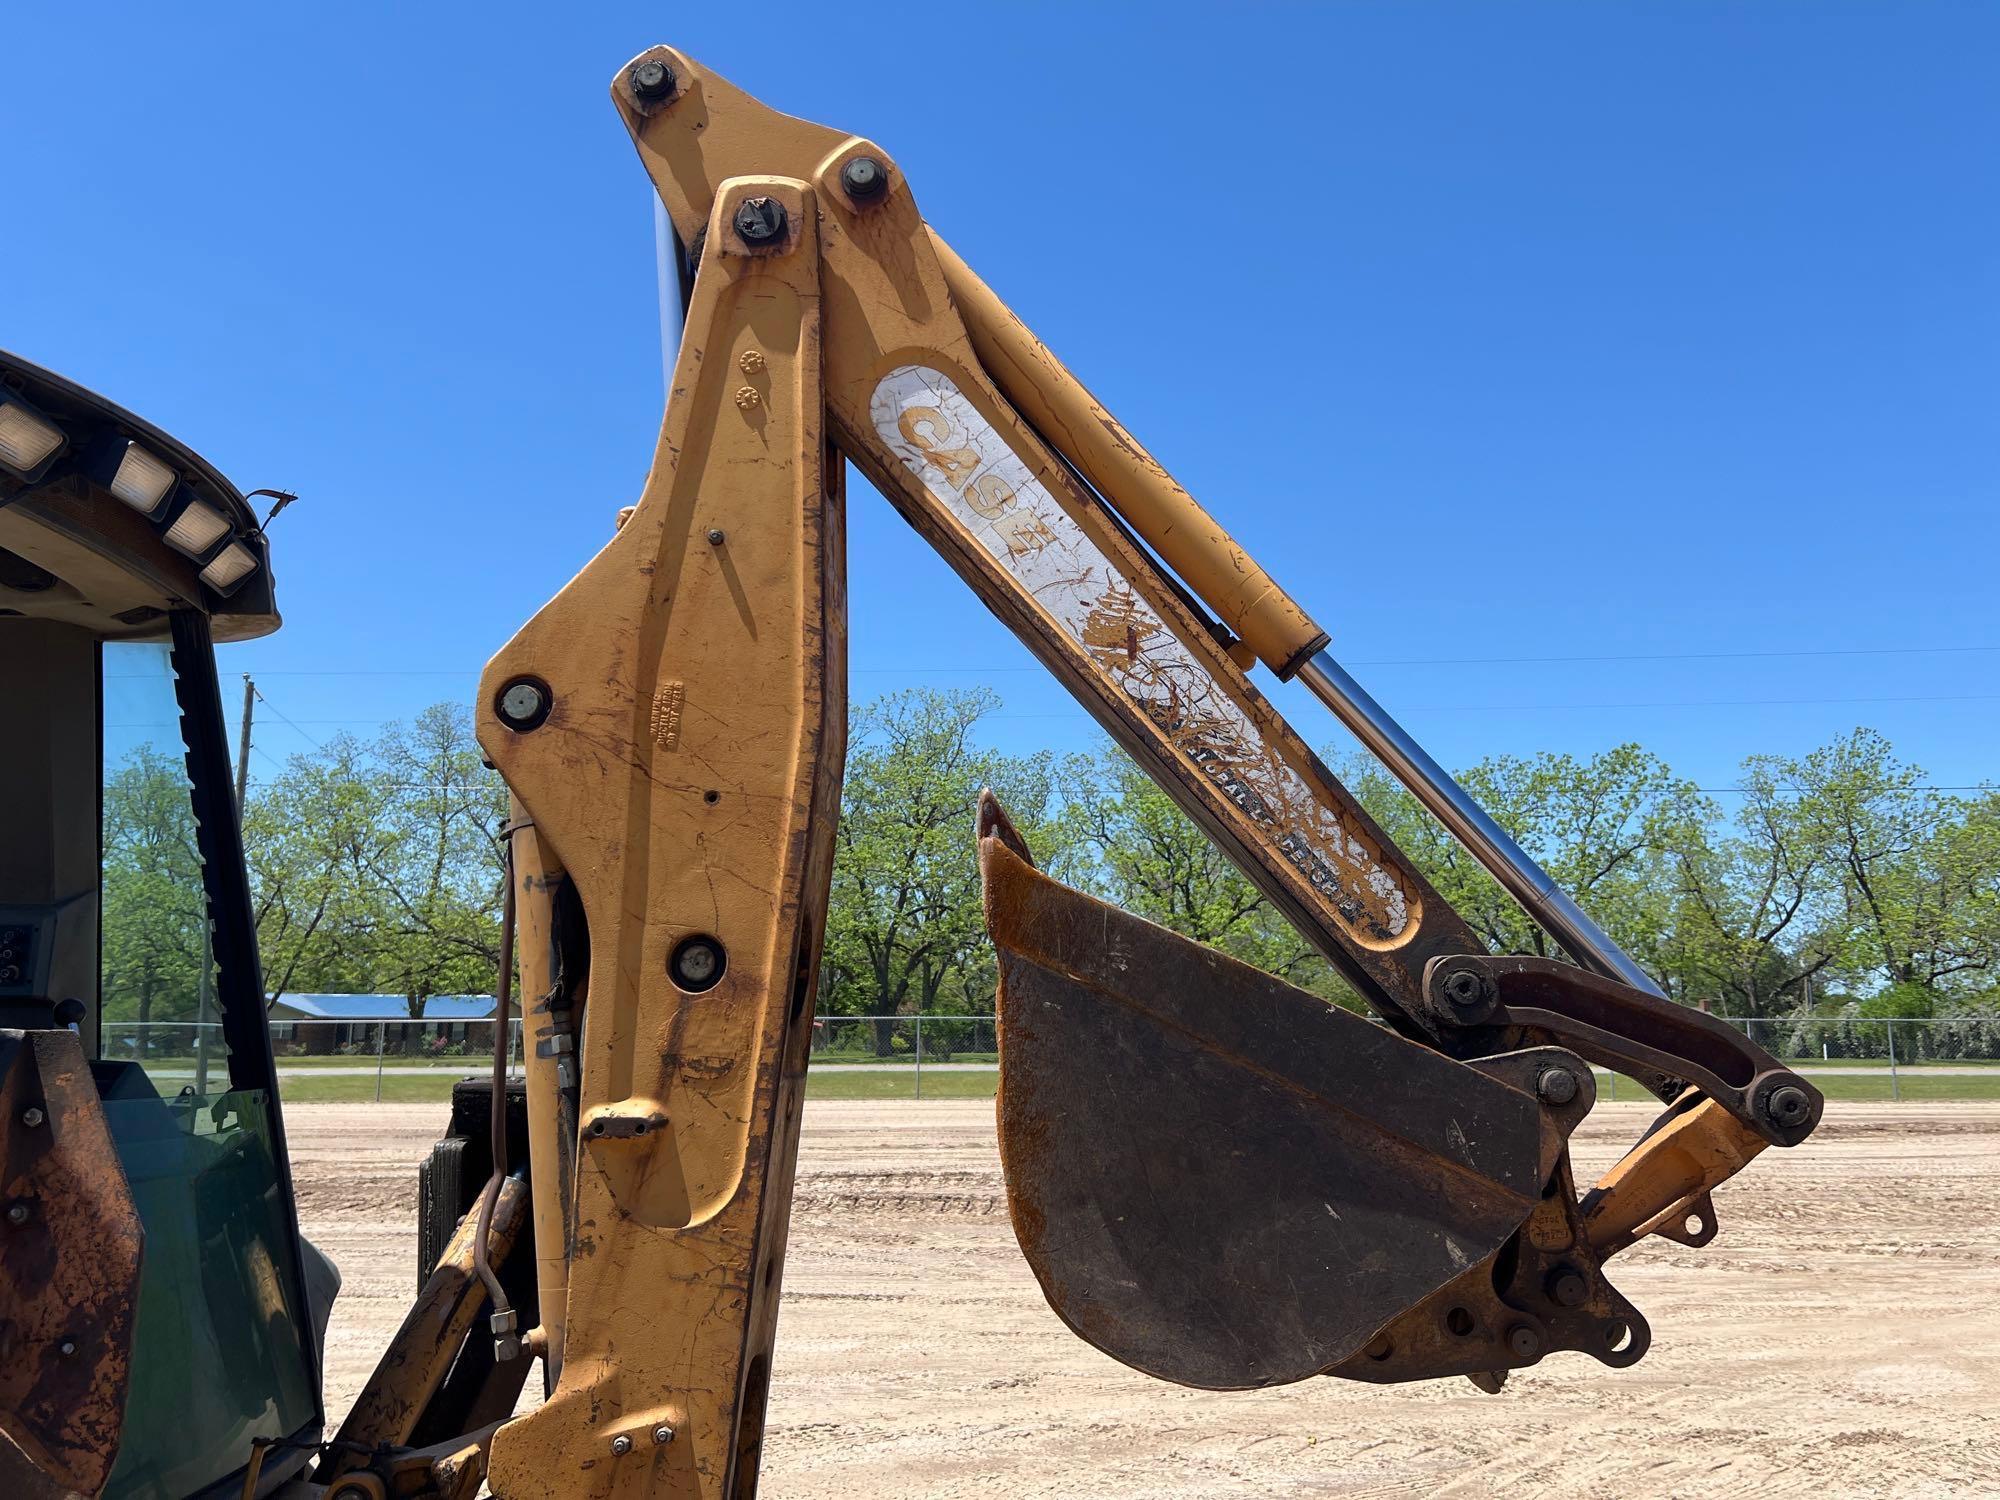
(28, 440)
(141, 480)
(229, 567)
(196, 529)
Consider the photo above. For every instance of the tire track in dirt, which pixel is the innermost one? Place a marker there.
(1841, 1337)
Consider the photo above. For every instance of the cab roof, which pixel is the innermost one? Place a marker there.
(115, 522)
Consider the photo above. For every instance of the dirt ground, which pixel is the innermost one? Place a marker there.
(1841, 1337)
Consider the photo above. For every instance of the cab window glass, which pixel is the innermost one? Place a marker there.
(157, 979)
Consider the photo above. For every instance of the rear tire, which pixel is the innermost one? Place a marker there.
(441, 1196)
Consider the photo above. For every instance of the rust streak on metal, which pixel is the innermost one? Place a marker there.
(70, 1250)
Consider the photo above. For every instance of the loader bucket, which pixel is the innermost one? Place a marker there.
(1218, 1178)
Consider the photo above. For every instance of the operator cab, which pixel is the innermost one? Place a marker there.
(125, 919)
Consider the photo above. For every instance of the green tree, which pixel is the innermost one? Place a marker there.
(904, 928)
(1919, 870)
(377, 866)
(1754, 901)
(1602, 828)
(1133, 846)
(310, 837)
(435, 878)
(154, 914)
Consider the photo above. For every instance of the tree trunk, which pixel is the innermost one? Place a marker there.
(885, 1029)
(144, 1039)
(415, 1003)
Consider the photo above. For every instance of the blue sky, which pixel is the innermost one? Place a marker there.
(1506, 335)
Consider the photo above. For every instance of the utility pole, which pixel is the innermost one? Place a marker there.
(243, 744)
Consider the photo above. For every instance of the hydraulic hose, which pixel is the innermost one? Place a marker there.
(502, 1320)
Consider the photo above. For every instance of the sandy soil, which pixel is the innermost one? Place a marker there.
(1841, 1337)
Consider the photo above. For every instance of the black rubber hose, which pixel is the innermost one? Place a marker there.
(501, 1019)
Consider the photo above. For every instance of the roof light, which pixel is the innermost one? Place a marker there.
(230, 567)
(28, 440)
(142, 481)
(197, 528)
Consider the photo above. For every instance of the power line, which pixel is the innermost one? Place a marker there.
(1679, 703)
(1445, 708)
(295, 723)
(1915, 786)
(1735, 791)
(1409, 661)
(1701, 703)
(317, 672)
(1503, 661)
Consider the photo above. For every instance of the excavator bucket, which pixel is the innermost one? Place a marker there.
(1218, 1178)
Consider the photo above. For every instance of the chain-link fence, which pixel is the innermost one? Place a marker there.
(334, 1060)
(1851, 1038)
(419, 1059)
(1860, 1047)
(935, 1041)
(898, 1047)
(1856, 1045)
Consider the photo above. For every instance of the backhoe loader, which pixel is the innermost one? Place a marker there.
(1217, 1178)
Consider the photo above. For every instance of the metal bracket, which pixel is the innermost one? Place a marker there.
(1698, 1212)
(1543, 1292)
(1499, 1003)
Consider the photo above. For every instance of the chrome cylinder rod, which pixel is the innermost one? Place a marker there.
(1489, 843)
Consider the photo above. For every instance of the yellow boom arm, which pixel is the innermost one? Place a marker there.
(672, 727)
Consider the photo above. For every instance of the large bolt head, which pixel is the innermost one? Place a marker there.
(523, 704)
(1788, 1107)
(663, 1434)
(1524, 1342)
(620, 1446)
(1567, 1288)
(651, 81)
(1465, 989)
(18, 1214)
(760, 220)
(697, 963)
(864, 178)
(1556, 1086)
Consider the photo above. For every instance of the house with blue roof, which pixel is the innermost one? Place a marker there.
(317, 1025)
